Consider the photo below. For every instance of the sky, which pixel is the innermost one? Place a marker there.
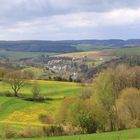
(69, 19)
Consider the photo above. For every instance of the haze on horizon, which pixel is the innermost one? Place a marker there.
(69, 19)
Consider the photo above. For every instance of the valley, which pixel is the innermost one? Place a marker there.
(53, 84)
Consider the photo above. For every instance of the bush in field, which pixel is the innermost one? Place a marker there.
(36, 91)
(72, 130)
(9, 133)
(78, 112)
(30, 132)
(45, 119)
(81, 115)
(53, 131)
(62, 116)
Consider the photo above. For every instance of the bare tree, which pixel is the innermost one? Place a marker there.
(16, 80)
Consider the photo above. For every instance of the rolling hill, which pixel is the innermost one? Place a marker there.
(66, 46)
(18, 112)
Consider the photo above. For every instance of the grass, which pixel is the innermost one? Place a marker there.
(20, 55)
(48, 88)
(79, 53)
(16, 111)
(126, 51)
(20, 113)
(133, 134)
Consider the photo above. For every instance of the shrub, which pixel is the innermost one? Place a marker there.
(72, 130)
(9, 133)
(29, 132)
(44, 119)
(53, 131)
(36, 91)
(7, 94)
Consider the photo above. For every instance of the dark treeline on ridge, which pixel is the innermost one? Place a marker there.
(66, 46)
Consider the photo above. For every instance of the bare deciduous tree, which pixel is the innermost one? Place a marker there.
(16, 80)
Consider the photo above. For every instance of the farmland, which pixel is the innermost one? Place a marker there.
(48, 88)
(90, 55)
(22, 55)
(61, 102)
(125, 51)
(69, 70)
(19, 112)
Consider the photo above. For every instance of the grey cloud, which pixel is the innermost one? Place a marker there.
(56, 19)
(35, 8)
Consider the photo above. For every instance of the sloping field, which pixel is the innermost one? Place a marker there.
(90, 55)
(16, 111)
(125, 51)
(19, 112)
(21, 55)
(133, 134)
(48, 88)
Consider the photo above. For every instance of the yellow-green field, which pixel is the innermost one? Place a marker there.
(18, 112)
(91, 55)
(48, 88)
(80, 54)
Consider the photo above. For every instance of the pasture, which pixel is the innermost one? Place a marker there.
(20, 55)
(48, 88)
(19, 113)
(125, 51)
(132, 134)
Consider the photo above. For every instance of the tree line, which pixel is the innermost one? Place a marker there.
(110, 103)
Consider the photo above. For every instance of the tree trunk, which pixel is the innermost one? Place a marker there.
(15, 93)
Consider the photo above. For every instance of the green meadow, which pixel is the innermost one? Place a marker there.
(20, 55)
(48, 88)
(133, 134)
(125, 51)
(19, 113)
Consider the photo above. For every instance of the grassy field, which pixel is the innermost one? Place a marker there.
(133, 134)
(19, 113)
(48, 88)
(20, 55)
(90, 54)
(78, 54)
(125, 51)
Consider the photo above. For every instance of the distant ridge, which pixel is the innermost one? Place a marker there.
(66, 46)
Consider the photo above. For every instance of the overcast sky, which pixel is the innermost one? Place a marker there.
(69, 19)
